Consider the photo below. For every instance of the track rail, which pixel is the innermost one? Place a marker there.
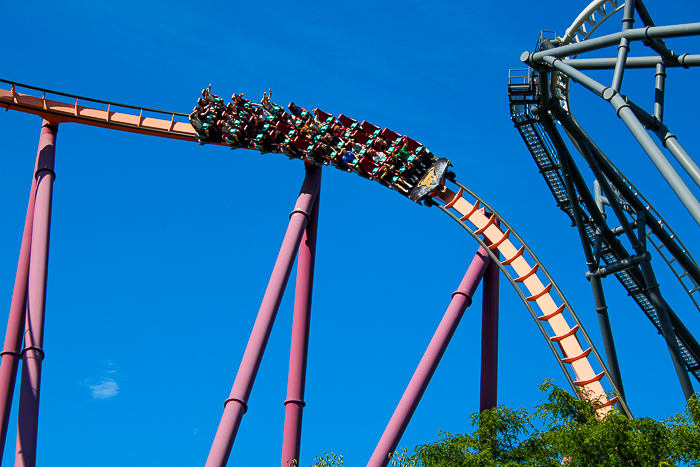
(568, 342)
(59, 107)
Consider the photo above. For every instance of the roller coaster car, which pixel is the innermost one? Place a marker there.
(323, 117)
(360, 137)
(389, 135)
(283, 127)
(346, 121)
(369, 129)
(302, 143)
(367, 165)
(431, 180)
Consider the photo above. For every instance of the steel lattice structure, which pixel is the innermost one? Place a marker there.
(539, 98)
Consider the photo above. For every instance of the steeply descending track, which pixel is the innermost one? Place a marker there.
(570, 343)
(528, 277)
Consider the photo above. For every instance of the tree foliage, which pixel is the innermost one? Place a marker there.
(563, 431)
(566, 431)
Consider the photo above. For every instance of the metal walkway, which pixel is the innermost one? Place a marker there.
(524, 99)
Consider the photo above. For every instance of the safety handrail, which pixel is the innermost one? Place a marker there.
(15, 84)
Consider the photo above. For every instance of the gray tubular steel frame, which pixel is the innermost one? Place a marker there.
(555, 62)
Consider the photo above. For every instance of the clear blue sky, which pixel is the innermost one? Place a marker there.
(161, 250)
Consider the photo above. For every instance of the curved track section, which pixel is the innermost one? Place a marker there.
(545, 144)
(570, 344)
(595, 14)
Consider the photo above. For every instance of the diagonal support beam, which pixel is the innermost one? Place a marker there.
(33, 353)
(294, 405)
(15, 325)
(237, 403)
(461, 299)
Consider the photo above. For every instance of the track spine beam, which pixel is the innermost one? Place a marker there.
(566, 337)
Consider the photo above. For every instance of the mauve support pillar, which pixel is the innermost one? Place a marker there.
(461, 299)
(15, 324)
(489, 338)
(294, 405)
(237, 403)
(32, 355)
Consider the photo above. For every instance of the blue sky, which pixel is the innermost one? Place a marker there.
(161, 250)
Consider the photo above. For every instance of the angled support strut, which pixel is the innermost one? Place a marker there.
(294, 404)
(237, 403)
(461, 299)
(10, 355)
(33, 354)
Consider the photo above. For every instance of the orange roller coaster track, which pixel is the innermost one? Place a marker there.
(570, 347)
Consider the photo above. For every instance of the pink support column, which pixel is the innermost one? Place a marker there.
(237, 403)
(33, 353)
(15, 324)
(489, 338)
(461, 299)
(294, 405)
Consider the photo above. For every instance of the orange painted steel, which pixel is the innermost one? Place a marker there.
(60, 112)
(595, 379)
(547, 317)
(532, 271)
(538, 295)
(468, 215)
(515, 256)
(571, 332)
(457, 196)
(494, 246)
(608, 403)
(578, 357)
(568, 342)
(492, 219)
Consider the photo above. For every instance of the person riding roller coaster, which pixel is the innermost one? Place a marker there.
(382, 155)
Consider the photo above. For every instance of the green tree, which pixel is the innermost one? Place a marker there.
(566, 431)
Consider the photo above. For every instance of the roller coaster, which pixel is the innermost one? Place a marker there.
(539, 98)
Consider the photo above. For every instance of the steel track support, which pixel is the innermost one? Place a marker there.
(626, 114)
(33, 354)
(624, 47)
(488, 398)
(461, 299)
(294, 404)
(15, 325)
(659, 91)
(237, 403)
(601, 307)
(599, 162)
(664, 319)
(668, 139)
(639, 34)
(639, 245)
(627, 193)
